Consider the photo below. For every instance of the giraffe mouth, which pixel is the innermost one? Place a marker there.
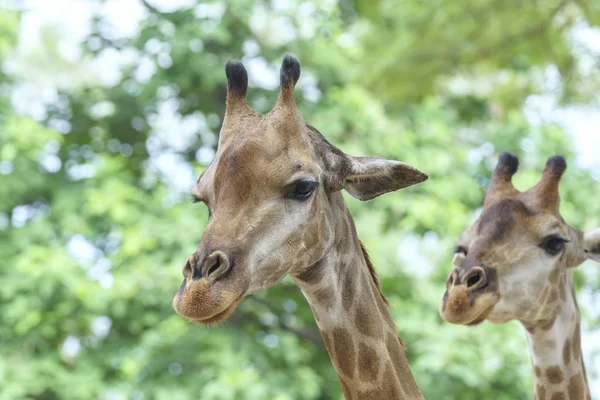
(462, 308)
(219, 317)
(482, 317)
(208, 304)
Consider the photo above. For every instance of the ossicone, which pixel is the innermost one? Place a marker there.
(290, 71)
(237, 82)
(288, 76)
(547, 188)
(501, 185)
(555, 167)
(507, 166)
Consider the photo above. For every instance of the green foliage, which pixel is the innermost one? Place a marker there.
(93, 233)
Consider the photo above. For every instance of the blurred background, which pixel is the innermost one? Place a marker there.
(111, 109)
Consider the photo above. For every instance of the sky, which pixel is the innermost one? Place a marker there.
(70, 20)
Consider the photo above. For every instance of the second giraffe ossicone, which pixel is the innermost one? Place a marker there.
(274, 193)
(516, 262)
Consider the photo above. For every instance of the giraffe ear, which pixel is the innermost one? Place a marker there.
(370, 177)
(591, 245)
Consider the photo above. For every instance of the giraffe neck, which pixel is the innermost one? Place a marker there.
(556, 353)
(352, 315)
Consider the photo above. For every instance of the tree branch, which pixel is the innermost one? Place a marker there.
(151, 8)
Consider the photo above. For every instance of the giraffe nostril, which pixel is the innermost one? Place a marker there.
(188, 270)
(451, 279)
(213, 268)
(217, 265)
(474, 279)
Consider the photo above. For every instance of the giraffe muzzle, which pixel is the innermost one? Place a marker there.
(211, 289)
(470, 295)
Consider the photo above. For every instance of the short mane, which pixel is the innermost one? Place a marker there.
(373, 273)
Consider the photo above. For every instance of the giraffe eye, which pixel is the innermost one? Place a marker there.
(553, 244)
(301, 190)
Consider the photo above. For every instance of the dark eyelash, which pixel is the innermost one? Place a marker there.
(301, 190)
(194, 199)
(460, 249)
(558, 237)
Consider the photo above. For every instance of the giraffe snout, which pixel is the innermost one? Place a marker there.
(472, 292)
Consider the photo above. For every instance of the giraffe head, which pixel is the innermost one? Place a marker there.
(511, 262)
(269, 192)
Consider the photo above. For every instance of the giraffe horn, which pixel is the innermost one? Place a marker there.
(547, 188)
(501, 185)
(288, 75)
(237, 85)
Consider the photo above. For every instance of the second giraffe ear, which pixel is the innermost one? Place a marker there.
(369, 177)
(591, 245)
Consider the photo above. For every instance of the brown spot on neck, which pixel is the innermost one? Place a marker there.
(567, 352)
(344, 352)
(368, 322)
(312, 275)
(396, 351)
(327, 342)
(540, 392)
(548, 324)
(345, 389)
(576, 387)
(554, 374)
(577, 342)
(324, 295)
(349, 290)
(368, 362)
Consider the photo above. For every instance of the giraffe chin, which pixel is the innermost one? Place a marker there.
(220, 317)
(482, 317)
(460, 307)
(206, 303)
(207, 319)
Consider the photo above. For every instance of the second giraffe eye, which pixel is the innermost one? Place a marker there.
(301, 190)
(553, 244)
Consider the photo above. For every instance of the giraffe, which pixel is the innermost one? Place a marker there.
(273, 191)
(515, 262)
